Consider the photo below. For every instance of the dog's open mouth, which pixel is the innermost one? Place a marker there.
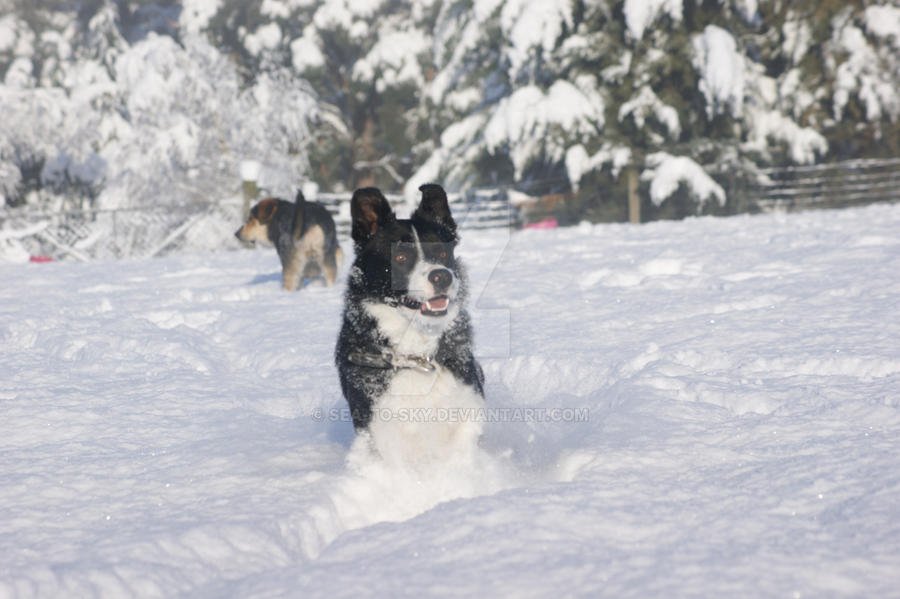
(436, 306)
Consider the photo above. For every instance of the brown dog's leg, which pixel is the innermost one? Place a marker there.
(290, 274)
(330, 270)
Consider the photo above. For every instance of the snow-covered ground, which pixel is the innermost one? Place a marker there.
(700, 408)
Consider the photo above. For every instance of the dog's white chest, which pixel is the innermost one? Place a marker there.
(408, 332)
(424, 416)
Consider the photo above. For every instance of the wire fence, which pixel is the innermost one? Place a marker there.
(111, 234)
(201, 226)
(835, 185)
(483, 208)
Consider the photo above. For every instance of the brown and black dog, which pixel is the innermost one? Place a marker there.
(304, 235)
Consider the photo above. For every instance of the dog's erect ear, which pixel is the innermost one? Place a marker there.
(434, 207)
(369, 211)
(299, 199)
(265, 210)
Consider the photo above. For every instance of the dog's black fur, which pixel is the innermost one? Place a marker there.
(389, 253)
(303, 234)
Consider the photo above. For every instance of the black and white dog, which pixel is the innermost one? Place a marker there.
(404, 352)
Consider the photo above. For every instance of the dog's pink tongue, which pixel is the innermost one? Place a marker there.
(436, 304)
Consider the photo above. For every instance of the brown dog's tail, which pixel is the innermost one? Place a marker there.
(299, 201)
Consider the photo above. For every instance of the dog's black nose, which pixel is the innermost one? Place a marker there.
(237, 233)
(441, 278)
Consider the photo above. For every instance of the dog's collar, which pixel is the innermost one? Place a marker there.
(412, 304)
(388, 361)
(405, 301)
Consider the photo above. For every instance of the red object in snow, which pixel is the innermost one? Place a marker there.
(547, 223)
(41, 259)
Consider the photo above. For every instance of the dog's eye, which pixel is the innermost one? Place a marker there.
(443, 255)
(400, 258)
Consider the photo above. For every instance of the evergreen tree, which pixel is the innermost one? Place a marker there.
(550, 96)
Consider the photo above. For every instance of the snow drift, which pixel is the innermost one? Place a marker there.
(696, 408)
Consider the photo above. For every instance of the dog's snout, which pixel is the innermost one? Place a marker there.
(441, 279)
(238, 233)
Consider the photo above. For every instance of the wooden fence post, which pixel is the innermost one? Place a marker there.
(249, 176)
(634, 199)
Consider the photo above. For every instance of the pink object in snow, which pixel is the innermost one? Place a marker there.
(547, 223)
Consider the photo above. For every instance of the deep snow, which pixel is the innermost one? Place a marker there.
(700, 408)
